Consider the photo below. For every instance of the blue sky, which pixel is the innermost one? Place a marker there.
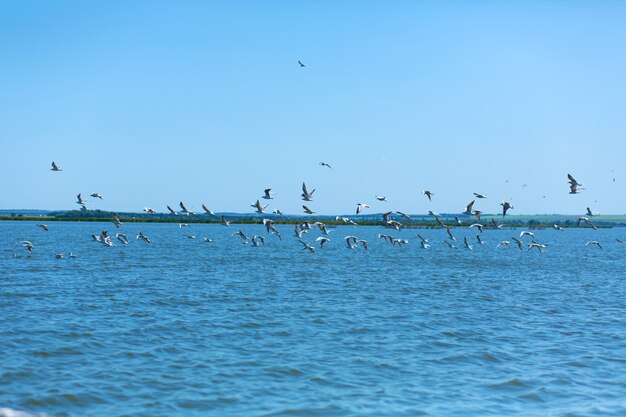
(150, 103)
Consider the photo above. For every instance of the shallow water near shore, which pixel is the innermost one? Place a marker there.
(181, 327)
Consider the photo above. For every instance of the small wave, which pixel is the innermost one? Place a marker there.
(9, 412)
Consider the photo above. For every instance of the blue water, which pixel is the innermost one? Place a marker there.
(187, 328)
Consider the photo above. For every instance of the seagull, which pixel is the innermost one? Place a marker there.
(259, 209)
(301, 64)
(351, 241)
(55, 167)
(593, 242)
(468, 210)
(278, 212)
(268, 195)
(450, 234)
(432, 213)
(122, 238)
(79, 200)
(143, 237)
(536, 245)
(482, 242)
(362, 242)
(299, 232)
(498, 226)
(72, 256)
(406, 216)
(422, 239)
(181, 225)
(149, 210)
(479, 195)
(573, 184)
(242, 236)
(428, 194)
(381, 198)
(27, 245)
(307, 210)
(207, 240)
(268, 224)
(43, 226)
(184, 209)
(591, 213)
(324, 164)
(105, 239)
(424, 244)
(557, 227)
(505, 206)
(307, 196)
(258, 241)
(527, 233)
(224, 221)
(360, 207)
(457, 220)
(95, 238)
(449, 244)
(586, 220)
(518, 242)
(323, 240)
(478, 225)
(307, 246)
(505, 243)
(466, 243)
(396, 225)
(171, 211)
(190, 236)
(96, 195)
(116, 221)
(209, 212)
(60, 256)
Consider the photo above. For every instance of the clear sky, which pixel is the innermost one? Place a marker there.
(150, 103)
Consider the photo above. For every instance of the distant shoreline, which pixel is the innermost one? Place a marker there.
(508, 222)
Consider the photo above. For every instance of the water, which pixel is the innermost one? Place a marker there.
(186, 328)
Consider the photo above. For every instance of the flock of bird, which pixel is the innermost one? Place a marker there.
(352, 242)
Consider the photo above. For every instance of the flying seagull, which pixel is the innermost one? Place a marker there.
(209, 212)
(171, 210)
(307, 210)
(301, 64)
(505, 207)
(259, 208)
(324, 164)
(428, 194)
(43, 226)
(593, 242)
(55, 167)
(557, 227)
(592, 213)
(268, 195)
(573, 184)
(360, 207)
(149, 210)
(477, 195)
(381, 198)
(96, 195)
(184, 209)
(306, 195)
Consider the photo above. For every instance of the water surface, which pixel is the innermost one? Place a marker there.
(185, 328)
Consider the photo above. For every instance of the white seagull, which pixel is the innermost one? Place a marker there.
(593, 242)
(306, 195)
(268, 194)
(360, 207)
(96, 195)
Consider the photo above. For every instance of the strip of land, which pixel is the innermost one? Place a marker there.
(417, 220)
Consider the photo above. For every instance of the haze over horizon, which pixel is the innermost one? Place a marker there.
(151, 103)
